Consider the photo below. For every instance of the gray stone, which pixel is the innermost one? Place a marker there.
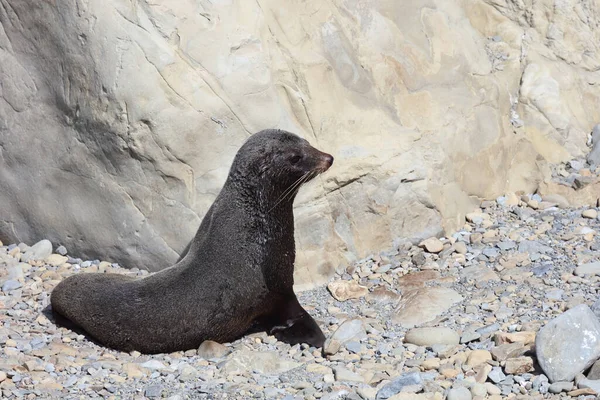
(349, 330)
(16, 271)
(504, 246)
(533, 247)
(187, 373)
(396, 386)
(459, 393)
(568, 344)
(485, 330)
(594, 373)
(554, 294)
(11, 285)
(354, 347)
(496, 375)
(61, 250)
(558, 387)
(469, 336)
(589, 383)
(153, 391)
(39, 251)
(593, 156)
(577, 164)
(588, 269)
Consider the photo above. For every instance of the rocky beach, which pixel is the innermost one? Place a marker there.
(507, 307)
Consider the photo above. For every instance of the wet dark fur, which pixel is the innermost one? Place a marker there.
(237, 274)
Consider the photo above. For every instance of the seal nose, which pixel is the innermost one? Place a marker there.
(326, 161)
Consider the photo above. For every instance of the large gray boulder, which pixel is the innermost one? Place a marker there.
(119, 119)
(568, 344)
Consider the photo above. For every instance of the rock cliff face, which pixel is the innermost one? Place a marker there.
(119, 119)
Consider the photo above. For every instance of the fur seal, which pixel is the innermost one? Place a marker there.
(236, 276)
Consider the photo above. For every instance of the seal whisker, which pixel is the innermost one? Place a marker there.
(290, 189)
(307, 177)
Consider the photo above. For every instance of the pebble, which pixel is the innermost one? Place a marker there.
(212, 350)
(589, 384)
(459, 393)
(39, 251)
(518, 365)
(432, 245)
(153, 391)
(558, 387)
(590, 213)
(61, 250)
(477, 357)
(349, 330)
(588, 269)
(345, 375)
(491, 287)
(56, 260)
(10, 285)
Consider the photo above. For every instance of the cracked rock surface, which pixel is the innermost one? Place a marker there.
(119, 120)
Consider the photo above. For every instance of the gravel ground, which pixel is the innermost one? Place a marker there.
(449, 318)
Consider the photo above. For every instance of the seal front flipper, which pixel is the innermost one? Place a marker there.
(292, 324)
(303, 330)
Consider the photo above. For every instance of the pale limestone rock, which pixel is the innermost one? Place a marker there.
(431, 336)
(432, 245)
(210, 350)
(423, 305)
(477, 357)
(143, 108)
(263, 362)
(345, 290)
(519, 365)
(56, 260)
(590, 213)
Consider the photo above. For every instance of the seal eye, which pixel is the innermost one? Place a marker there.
(295, 159)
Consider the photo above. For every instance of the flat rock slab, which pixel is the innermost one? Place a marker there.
(568, 344)
(424, 305)
(397, 385)
(588, 269)
(265, 362)
(478, 273)
(417, 279)
(431, 336)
